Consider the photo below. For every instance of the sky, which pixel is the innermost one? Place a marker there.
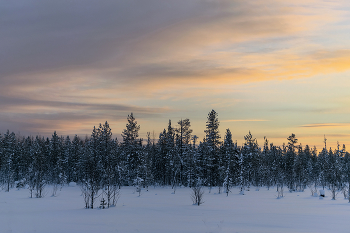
(272, 67)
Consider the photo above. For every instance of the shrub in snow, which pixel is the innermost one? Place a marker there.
(313, 190)
(112, 194)
(279, 191)
(86, 195)
(345, 193)
(334, 190)
(138, 190)
(39, 189)
(115, 197)
(174, 184)
(54, 190)
(103, 203)
(138, 182)
(20, 184)
(197, 195)
(90, 192)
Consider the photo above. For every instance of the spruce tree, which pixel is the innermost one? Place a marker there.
(131, 148)
(212, 141)
(8, 153)
(290, 162)
(183, 136)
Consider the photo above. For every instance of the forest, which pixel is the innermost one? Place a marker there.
(100, 163)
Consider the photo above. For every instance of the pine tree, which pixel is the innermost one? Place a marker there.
(9, 144)
(334, 177)
(322, 167)
(69, 165)
(93, 173)
(131, 147)
(38, 168)
(108, 161)
(266, 164)
(212, 136)
(313, 171)
(26, 160)
(201, 168)
(228, 163)
(147, 161)
(171, 157)
(212, 140)
(346, 172)
(183, 136)
(290, 162)
(161, 169)
(251, 154)
(56, 162)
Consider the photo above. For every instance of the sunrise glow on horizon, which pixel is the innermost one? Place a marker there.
(269, 67)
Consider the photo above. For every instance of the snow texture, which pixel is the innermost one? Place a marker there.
(157, 211)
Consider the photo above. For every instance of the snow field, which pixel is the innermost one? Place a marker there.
(158, 210)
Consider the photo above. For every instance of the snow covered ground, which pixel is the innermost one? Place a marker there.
(158, 210)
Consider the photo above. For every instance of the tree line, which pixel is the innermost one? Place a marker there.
(102, 164)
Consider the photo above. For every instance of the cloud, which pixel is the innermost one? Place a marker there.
(323, 125)
(83, 61)
(244, 120)
(45, 116)
(38, 36)
(103, 44)
(7, 103)
(296, 109)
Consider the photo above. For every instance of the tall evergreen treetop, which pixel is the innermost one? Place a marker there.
(170, 136)
(212, 136)
(292, 140)
(131, 133)
(184, 131)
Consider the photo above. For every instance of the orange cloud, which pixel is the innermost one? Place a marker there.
(243, 120)
(322, 125)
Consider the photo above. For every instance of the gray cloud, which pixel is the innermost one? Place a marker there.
(195, 70)
(6, 102)
(41, 35)
(64, 122)
(44, 116)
